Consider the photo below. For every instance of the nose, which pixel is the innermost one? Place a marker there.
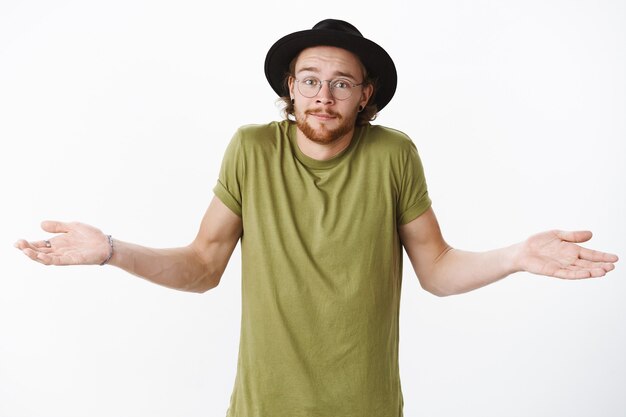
(325, 96)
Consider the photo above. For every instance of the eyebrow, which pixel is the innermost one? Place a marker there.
(335, 74)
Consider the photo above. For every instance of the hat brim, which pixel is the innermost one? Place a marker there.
(376, 60)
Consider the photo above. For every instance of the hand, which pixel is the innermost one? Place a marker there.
(553, 253)
(77, 244)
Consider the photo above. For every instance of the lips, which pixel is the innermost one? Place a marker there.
(323, 116)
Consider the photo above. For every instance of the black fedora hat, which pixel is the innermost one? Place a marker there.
(332, 32)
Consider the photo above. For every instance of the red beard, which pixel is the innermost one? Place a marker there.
(324, 135)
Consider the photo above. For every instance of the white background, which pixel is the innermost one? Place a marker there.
(117, 114)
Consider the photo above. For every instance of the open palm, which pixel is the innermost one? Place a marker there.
(555, 253)
(75, 244)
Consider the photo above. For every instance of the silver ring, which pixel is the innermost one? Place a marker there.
(48, 244)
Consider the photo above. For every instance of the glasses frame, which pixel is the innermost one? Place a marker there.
(330, 86)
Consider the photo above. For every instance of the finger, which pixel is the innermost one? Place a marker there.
(53, 226)
(597, 272)
(593, 269)
(572, 273)
(607, 266)
(41, 244)
(596, 256)
(46, 259)
(33, 254)
(21, 244)
(35, 245)
(574, 236)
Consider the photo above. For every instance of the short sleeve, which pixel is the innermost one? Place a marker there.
(230, 181)
(413, 199)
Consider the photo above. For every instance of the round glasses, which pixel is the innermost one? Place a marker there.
(340, 88)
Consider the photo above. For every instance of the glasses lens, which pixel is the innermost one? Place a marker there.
(309, 87)
(341, 89)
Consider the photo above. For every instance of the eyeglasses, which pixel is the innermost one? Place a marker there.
(340, 88)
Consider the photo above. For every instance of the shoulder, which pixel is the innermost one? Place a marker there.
(383, 139)
(261, 135)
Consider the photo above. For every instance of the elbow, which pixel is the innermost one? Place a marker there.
(206, 274)
(438, 290)
(445, 292)
(203, 287)
(203, 283)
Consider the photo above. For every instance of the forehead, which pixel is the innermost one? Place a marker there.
(329, 58)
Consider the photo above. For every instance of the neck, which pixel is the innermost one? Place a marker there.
(322, 151)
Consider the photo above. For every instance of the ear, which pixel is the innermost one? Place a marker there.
(291, 83)
(366, 93)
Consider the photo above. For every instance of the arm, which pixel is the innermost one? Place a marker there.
(443, 270)
(196, 267)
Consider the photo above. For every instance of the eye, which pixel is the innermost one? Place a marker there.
(342, 84)
(311, 82)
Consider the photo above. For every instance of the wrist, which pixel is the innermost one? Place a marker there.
(513, 256)
(110, 255)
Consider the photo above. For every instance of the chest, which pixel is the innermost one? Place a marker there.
(352, 200)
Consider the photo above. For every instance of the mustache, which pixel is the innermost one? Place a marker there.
(327, 112)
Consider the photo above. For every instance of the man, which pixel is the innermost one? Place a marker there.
(323, 205)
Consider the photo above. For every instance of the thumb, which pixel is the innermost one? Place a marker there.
(574, 236)
(53, 226)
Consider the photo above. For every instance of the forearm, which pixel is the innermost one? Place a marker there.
(456, 271)
(179, 268)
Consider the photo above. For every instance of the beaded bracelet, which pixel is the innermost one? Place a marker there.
(110, 252)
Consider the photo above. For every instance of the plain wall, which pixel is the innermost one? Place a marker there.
(117, 114)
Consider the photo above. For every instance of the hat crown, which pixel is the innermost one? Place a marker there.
(338, 25)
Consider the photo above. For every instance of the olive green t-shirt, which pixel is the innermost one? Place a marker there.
(321, 270)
